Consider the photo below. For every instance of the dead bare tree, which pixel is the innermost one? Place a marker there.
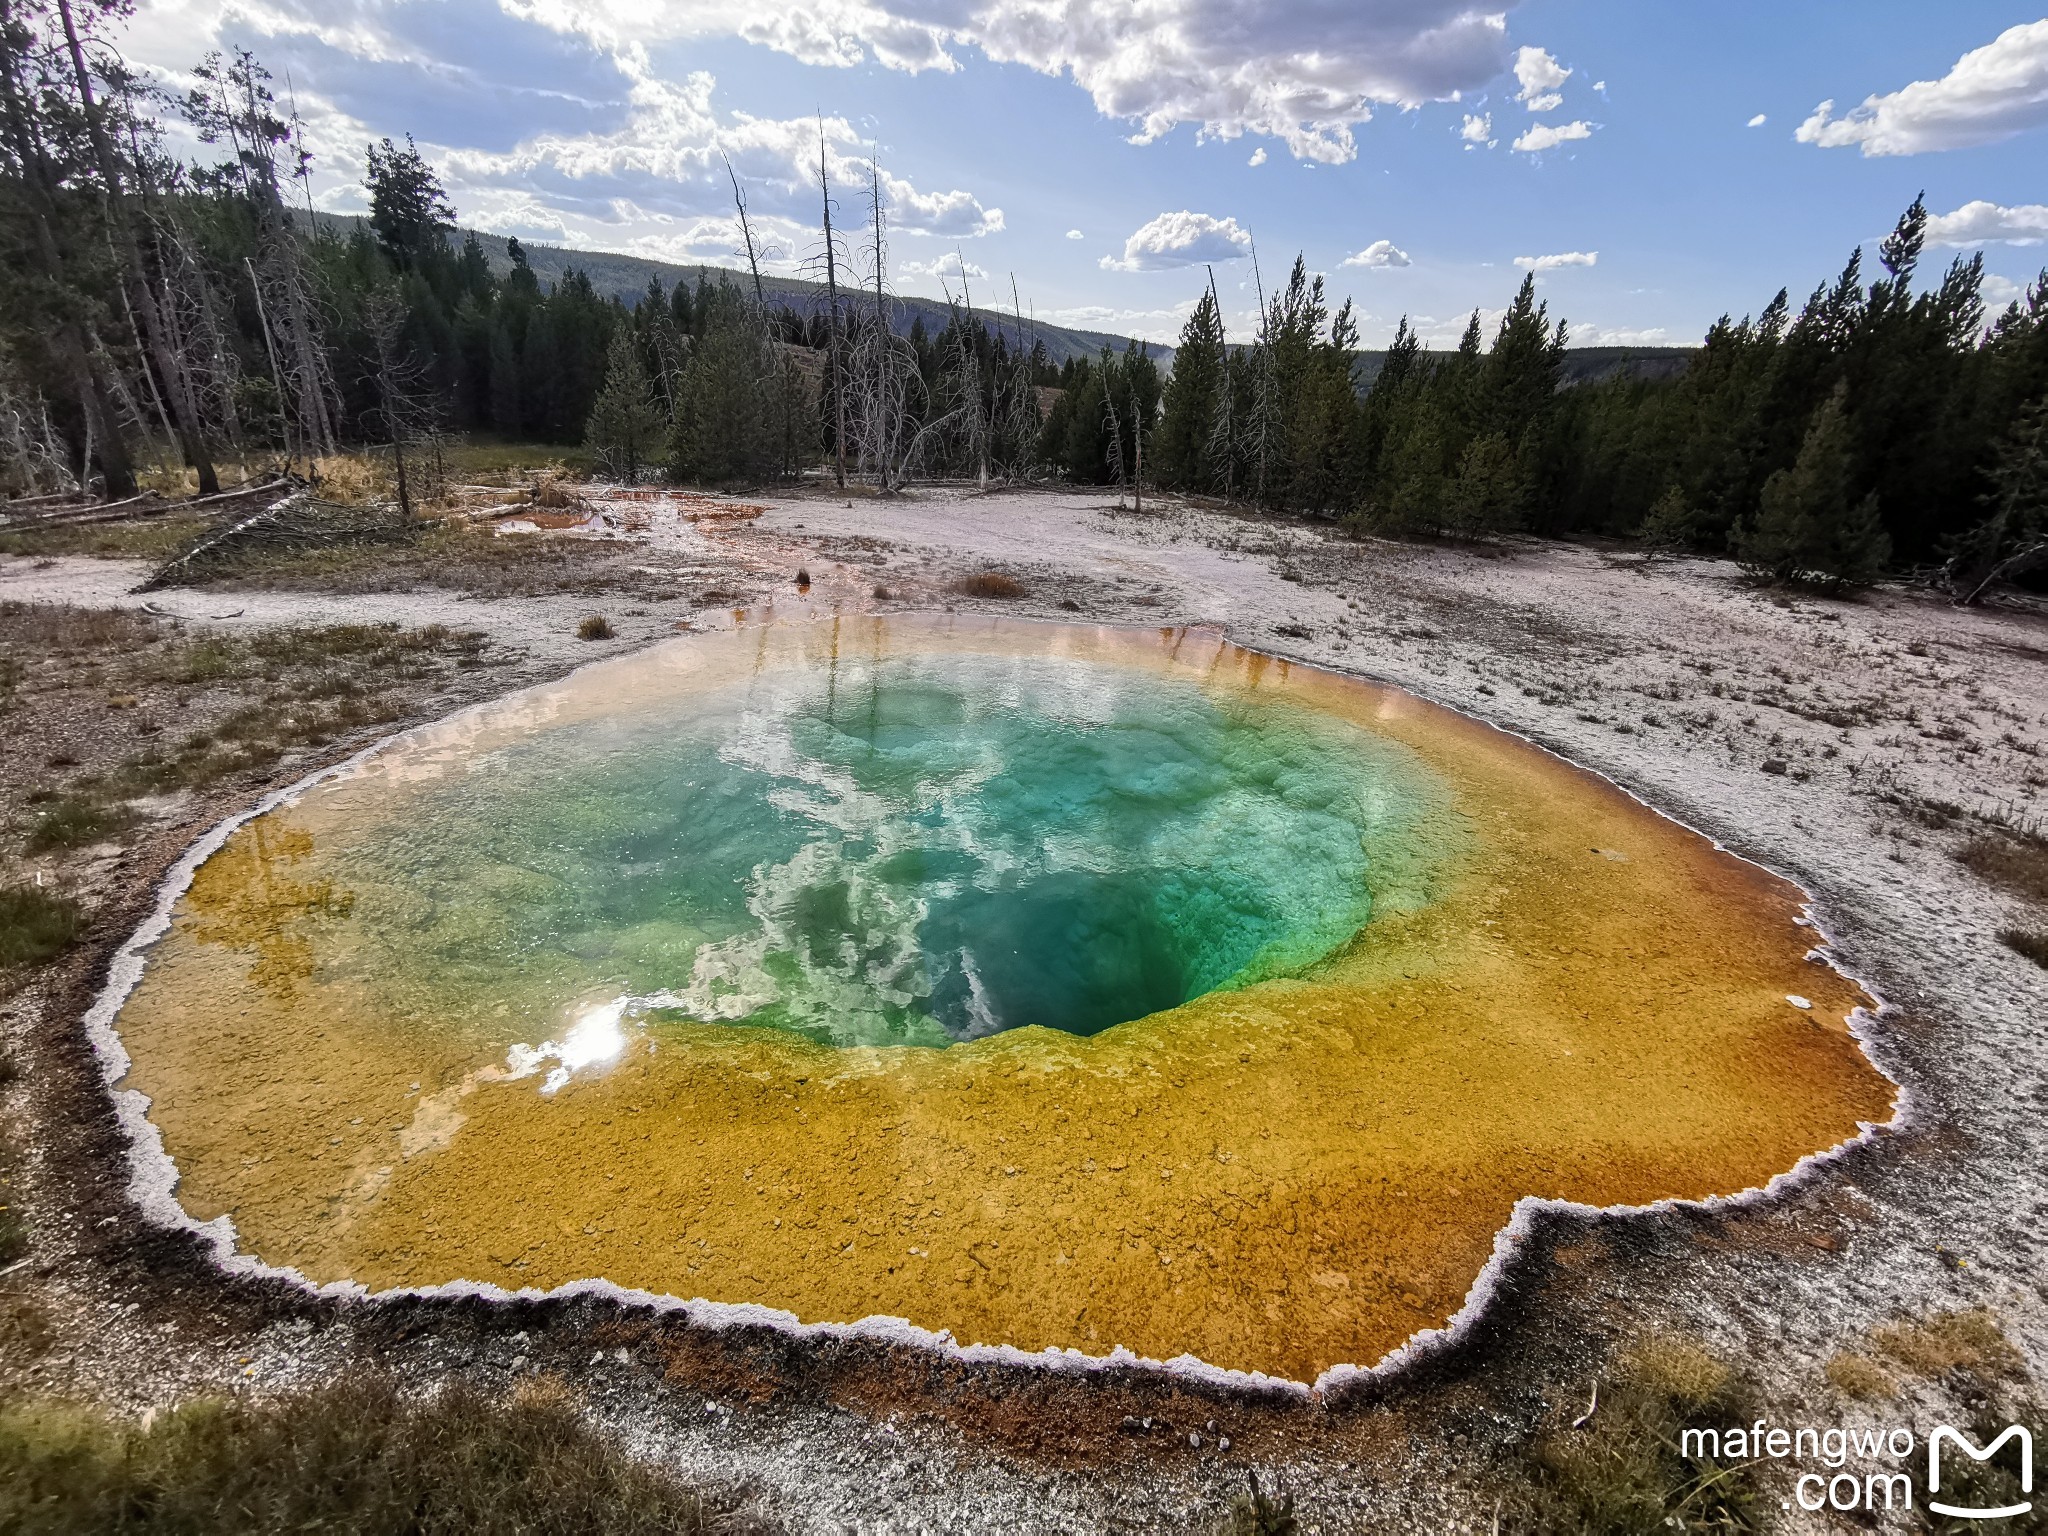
(25, 84)
(237, 106)
(1015, 408)
(889, 412)
(1137, 450)
(739, 198)
(1113, 424)
(835, 340)
(153, 336)
(404, 409)
(33, 458)
(194, 315)
(975, 405)
(1262, 426)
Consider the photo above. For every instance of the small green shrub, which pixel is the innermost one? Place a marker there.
(35, 925)
(76, 821)
(1257, 1513)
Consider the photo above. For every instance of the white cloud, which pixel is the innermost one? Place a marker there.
(1982, 223)
(1990, 94)
(1621, 336)
(1561, 259)
(1305, 73)
(951, 266)
(1180, 240)
(2001, 291)
(650, 182)
(1075, 234)
(1544, 136)
(1258, 156)
(1478, 130)
(1758, 121)
(1447, 333)
(1542, 79)
(1145, 324)
(1379, 255)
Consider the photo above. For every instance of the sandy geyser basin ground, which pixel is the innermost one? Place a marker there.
(1051, 986)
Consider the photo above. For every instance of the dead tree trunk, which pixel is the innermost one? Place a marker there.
(74, 357)
(832, 336)
(1137, 451)
(739, 199)
(191, 433)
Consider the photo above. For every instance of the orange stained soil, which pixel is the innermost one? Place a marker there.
(1591, 1004)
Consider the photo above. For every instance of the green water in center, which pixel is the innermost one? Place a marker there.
(919, 849)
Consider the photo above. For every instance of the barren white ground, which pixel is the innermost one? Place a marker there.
(1674, 678)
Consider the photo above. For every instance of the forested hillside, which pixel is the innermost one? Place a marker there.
(626, 278)
(163, 315)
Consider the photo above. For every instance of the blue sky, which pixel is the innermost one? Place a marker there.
(1414, 150)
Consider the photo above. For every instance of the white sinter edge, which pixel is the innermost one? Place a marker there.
(153, 1175)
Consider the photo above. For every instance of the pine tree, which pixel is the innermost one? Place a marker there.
(1808, 530)
(627, 425)
(1414, 484)
(408, 209)
(1672, 524)
(1485, 496)
(1181, 451)
(507, 410)
(2013, 540)
(740, 412)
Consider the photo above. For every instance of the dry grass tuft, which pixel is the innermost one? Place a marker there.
(58, 629)
(1677, 1369)
(1855, 1375)
(552, 488)
(154, 539)
(355, 478)
(454, 558)
(594, 627)
(990, 584)
(1624, 1469)
(360, 1456)
(1969, 1341)
(2018, 863)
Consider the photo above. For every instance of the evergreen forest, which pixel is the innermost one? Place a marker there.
(162, 317)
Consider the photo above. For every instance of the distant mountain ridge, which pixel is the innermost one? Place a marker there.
(626, 277)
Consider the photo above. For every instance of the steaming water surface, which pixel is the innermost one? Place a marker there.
(909, 850)
(1052, 986)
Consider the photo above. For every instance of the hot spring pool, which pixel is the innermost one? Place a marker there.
(1048, 985)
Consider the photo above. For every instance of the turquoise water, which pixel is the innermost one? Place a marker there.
(920, 849)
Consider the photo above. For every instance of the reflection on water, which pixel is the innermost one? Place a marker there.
(914, 849)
